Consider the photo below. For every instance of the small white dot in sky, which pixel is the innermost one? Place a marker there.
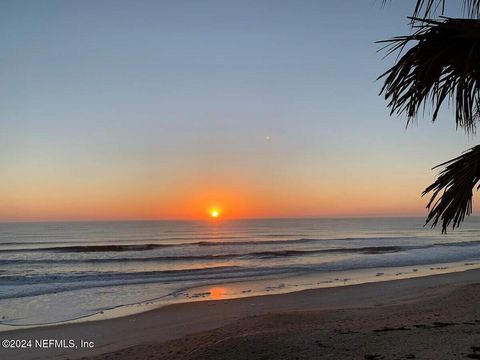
(267, 137)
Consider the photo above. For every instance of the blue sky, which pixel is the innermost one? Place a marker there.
(129, 102)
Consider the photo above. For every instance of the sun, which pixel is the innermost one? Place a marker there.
(214, 213)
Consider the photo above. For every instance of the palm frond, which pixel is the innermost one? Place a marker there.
(443, 64)
(455, 183)
(426, 8)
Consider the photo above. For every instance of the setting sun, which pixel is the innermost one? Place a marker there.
(215, 213)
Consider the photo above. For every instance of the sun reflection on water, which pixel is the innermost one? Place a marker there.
(218, 293)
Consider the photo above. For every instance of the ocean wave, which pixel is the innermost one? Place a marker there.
(211, 257)
(14, 285)
(90, 248)
(40, 284)
(290, 241)
(152, 246)
(250, 243)
(116, 241)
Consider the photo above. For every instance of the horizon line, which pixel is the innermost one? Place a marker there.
(217, 220)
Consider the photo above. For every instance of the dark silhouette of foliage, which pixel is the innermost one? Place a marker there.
(426, 8)
(441, 66)
(444, 64)
(455, 183)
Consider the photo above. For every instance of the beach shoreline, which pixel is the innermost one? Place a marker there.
(261, 287)
(147, 330)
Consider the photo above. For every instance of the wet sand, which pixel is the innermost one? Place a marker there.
(433, 317)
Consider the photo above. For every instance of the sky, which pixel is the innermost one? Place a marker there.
(142, 109)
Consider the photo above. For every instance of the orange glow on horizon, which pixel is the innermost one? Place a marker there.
(231, 198)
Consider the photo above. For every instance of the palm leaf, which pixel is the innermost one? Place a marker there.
(442, 65)
(452, 191)
(425, 8)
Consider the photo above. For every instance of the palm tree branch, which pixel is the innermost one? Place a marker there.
(425, 8)
(442, 65)
(452, 191)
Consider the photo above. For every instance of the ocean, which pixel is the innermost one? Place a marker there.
(71, 271)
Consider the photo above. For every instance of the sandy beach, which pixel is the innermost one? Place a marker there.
(433, 317)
